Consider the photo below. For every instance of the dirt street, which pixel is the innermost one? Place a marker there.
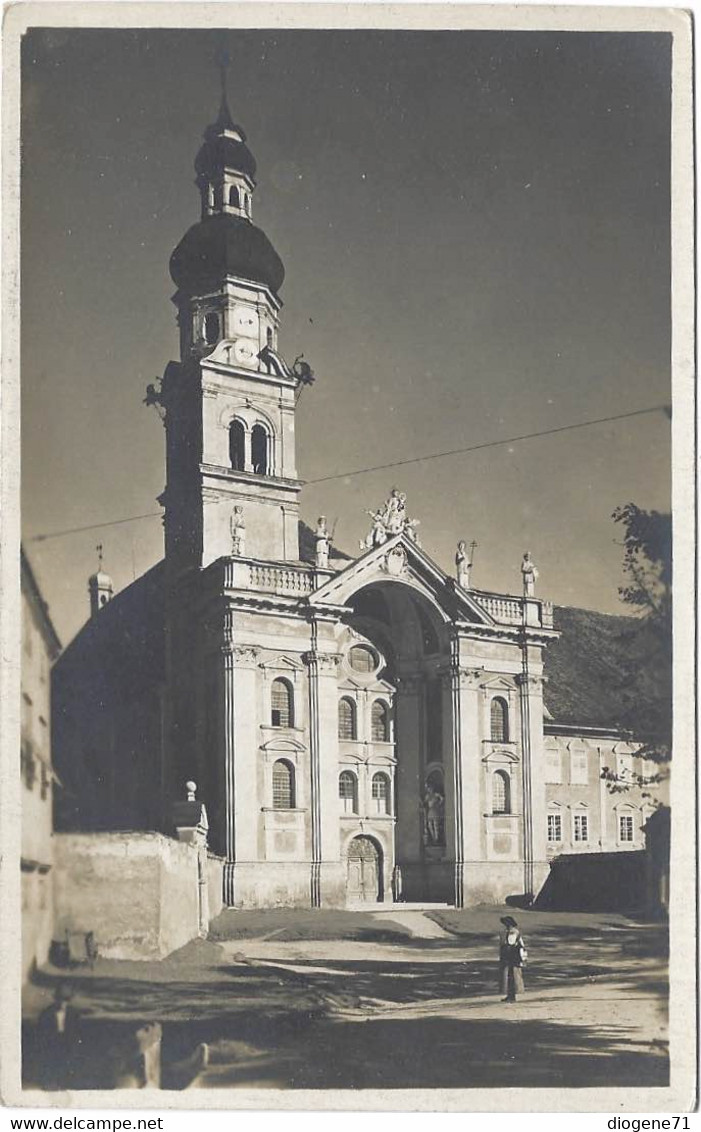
(398, 999)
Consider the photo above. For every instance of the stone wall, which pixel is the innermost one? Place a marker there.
(215, 884)
(137, 892)
(39, 647)
(37, 915)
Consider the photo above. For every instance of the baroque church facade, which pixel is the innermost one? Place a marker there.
(360, 729)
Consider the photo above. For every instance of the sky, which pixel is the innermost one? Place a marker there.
(475, 230)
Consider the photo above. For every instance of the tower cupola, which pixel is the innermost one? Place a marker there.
(225, 167)
(225, 258)
(232, 487)
(100, 586)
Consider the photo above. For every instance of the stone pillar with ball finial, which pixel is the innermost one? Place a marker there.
(191, 826)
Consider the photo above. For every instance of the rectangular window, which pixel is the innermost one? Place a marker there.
(581, 827)
(554, 827)
(579, 768)
(553, 767)
(625, 827)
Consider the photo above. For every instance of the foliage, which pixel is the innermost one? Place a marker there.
(645, 653)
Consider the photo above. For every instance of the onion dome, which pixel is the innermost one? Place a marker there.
(225, 244)
(224, 148)
(100, 579)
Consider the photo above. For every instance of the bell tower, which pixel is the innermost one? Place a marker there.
(229, 402)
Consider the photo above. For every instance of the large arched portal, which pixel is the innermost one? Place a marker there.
(411, 634)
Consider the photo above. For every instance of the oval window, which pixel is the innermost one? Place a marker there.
(362, 659)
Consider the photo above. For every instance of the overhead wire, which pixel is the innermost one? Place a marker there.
(384, 467)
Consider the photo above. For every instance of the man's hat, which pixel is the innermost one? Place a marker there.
(509, 922)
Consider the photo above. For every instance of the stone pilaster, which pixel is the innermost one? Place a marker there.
(464, 687)
(323, 696)
(408, 780)
(238, 705)
(534, 833)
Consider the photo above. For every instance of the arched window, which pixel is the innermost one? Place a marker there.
(248, 204)
(234, 196)
(346, 719)
(283, 785)
(281, 704)
(237, 445)
(269, 337)
(380, 722)
(211, 328)
(348, 792)
(501, 792)
(259, 450)
(500, 720)
(380, 793)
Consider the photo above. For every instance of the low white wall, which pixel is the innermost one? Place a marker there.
(215, 884)
(137, 892)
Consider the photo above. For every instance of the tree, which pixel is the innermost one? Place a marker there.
(645, 654)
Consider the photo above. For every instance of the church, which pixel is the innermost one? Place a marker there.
(360, 729)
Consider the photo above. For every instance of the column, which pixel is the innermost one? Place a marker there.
(466, 764)
(323, 736)
(229, 778)
(408, 790)
(240, 752)
(534, 833)
(312, 661)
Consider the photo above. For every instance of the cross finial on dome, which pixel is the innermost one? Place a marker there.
(224, 120)
(99, 549)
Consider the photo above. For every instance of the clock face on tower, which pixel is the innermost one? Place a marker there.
(246, 321)
(245, 352)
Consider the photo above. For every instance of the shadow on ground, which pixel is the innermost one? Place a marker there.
(399, 1018)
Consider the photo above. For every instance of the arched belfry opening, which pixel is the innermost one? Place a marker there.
(414, 718)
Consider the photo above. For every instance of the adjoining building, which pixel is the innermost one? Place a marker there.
(40, 647)
(364, 729)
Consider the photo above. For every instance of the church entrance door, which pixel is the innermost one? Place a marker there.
(364, 883)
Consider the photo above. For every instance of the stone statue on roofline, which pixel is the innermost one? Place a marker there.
(529, 570)
(463, 565)
(389, 520)
(323, 543)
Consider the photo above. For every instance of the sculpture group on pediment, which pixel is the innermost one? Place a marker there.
(389, 520)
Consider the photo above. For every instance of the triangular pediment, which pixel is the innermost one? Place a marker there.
(282, 664)
(498, 684)
(400, 560)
